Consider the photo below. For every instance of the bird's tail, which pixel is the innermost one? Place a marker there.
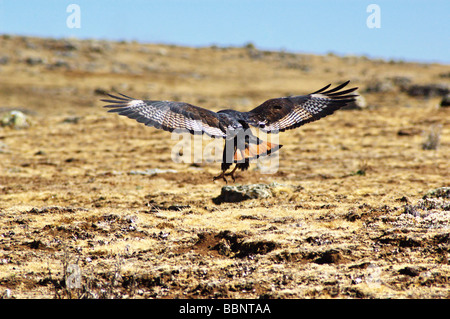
(254, 150)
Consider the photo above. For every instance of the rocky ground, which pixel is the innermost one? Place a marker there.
(92, 205)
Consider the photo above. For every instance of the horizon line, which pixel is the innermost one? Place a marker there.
(386, 59)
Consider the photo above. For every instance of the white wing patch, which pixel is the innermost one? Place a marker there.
(135, 103)
(297, 115)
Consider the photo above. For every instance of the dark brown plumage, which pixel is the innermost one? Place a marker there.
(272, 116)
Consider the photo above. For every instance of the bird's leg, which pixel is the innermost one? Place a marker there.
(232, 173)
(222, 175)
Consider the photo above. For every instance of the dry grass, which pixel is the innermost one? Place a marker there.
(347, 221)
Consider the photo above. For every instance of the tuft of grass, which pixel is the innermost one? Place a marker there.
(363, 168)
(433, 138)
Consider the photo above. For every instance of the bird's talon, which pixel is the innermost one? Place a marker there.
(222, 175)
(232, 176)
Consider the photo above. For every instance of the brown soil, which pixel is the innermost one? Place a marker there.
(346, 219)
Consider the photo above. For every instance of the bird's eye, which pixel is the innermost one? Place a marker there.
(277, 107)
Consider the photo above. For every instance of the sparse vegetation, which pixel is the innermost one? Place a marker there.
(79, 186)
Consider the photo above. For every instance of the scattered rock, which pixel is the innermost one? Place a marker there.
(412, 210)
(163, 206)
(36, 244)
(261, 247)
(162, 52)
(3, 148)
(54, 210)
(440, 192)
(445, 102)
(59, 63)
(298, 66)
(98, 46)
(62, 45)
(100, 91)
(389, 84)
(379, 87)
(32, 60)
(427, 90)
(397, 238)
(231, 244)
(4, 60)
(152, 171)
(409, 131)
(331, 256)
(352, 216)
(428, 213)
(401, 81)
(442, 239)
(409, 271)
(319, 240)
(178, 208)
(404, 199)
(15, 119)
(233, 194)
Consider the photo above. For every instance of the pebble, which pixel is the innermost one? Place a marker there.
(445, 102)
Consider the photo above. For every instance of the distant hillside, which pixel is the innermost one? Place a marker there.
(56, 74)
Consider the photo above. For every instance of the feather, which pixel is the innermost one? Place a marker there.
(272, 116)
(291, 112)
(167, 115)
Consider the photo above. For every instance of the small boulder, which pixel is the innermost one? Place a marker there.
(441, 192)
(445, 102)
(233, 194)
(427, 90)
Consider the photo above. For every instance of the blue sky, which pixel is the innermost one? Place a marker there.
(410, 30)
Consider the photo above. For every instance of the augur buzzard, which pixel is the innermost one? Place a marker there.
(272, 116)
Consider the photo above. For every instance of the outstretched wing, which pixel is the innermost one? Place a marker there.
(168, 115)
(278, 115)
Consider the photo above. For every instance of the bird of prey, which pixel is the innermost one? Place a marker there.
(241, 146)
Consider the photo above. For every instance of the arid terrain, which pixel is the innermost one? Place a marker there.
(92, 205)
